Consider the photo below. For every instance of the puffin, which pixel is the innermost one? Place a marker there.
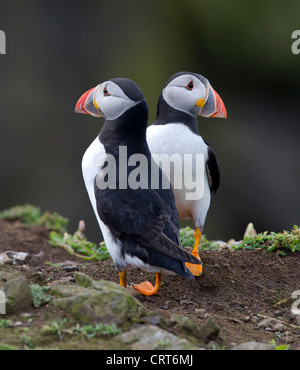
(175, 133)
(140, 225)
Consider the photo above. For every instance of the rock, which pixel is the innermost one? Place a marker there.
(70, 268)
(63, 280)
(231, 243)
(184, 324)
(81, 226)
(17, 323)
(269, 329)
(278, 313)
(219, 306)
(105, 302)
(266, 323)
(22, 258)
(35, 259)
(4, 259)
(27, 315)
(66, 290)
(153, 320)
(271, 324)
(17, 292)
(236, 303)
(149, 337)
(279, 326)
(250, 231)
(253, 346)
(209, 330)
(83, 280)
(200, 312)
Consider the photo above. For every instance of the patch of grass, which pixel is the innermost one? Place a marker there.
(162, 345)
(88, 331)
(56, 327)
(4, 323)
(287, 240)
(187, 240)
(77, 245)
(32, 216)
(26, 340)
(91, 331)
(7, 347)
(283, 347)
(279, 242)
(187, 237)
(39, 295)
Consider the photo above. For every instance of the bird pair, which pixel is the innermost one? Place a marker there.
(140, 224)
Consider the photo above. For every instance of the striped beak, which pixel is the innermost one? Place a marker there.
(87, 103)
(214, 106)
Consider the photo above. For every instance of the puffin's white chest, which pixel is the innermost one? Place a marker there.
(177, 139)
(92, 162)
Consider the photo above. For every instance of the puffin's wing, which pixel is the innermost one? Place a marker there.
(136, 212)
(213, 171)
(141, 215)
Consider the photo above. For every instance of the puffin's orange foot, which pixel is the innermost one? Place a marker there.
(196, 270)
(146, 288)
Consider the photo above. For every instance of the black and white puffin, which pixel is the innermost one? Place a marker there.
(140, 225)
(185, 97)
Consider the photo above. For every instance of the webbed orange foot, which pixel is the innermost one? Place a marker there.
(146, 288)
(196, 270)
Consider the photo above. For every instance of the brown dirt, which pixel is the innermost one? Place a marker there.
(237, 288)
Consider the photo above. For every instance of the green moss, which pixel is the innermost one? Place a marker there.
(32, 216)
(4, 323)
(187, 240)
(39, 296)
(7, 347)
(280, 242)
(78, 245)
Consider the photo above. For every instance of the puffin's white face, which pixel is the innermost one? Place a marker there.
(106, 100)
(186, 93)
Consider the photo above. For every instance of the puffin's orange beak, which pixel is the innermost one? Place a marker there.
(87, 103)
(214, 106)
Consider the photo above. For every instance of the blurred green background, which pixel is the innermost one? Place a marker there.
(57, 50)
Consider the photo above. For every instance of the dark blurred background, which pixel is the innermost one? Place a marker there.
(57, 50)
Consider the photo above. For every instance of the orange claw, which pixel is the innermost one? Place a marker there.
(196, 270)
(146, 288)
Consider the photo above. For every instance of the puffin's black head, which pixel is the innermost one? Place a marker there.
(112, 99)
(192, 94)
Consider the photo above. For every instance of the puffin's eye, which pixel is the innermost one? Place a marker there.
(190, 85)
(105, 92)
